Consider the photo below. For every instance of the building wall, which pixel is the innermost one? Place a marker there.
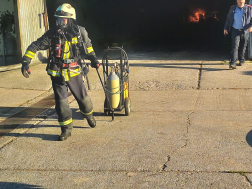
(8, 39)
(31, 25)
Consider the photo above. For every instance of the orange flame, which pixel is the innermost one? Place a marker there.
(215, 16)
(197, 15)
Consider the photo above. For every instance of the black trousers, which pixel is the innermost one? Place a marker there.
(78, 89)
(239, 45)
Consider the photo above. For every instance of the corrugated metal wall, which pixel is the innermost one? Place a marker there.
(31, 24)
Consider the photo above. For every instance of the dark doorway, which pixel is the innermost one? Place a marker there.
(167, 24)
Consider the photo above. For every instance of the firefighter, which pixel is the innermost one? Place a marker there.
(67, 42)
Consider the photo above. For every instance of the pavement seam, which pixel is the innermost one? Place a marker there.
(202, 89)
(18, 66)
(27, 104)
(242, 173)
(5, 141)
(42, 116)
(247, 179)
(9, 140)
(200, 74)
(22, 89)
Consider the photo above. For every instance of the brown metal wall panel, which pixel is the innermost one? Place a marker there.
(31, 24)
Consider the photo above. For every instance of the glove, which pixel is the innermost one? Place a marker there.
(95, 63)
(25, 67)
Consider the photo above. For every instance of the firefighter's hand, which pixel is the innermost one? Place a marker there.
(95, 64)
(225, 32)
(250, 29)
(25, 68)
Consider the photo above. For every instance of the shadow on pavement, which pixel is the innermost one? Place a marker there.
(54, 126)
(21, 117)
(247, 73)
(249, 138)
(172, 65)
(6, 185)
(48, 137)
(15, 121)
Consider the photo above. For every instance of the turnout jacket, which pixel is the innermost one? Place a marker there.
(71, 49)
(246, 18)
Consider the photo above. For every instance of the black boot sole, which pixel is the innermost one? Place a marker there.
(63, 137)
(91, 122)
(232, 67)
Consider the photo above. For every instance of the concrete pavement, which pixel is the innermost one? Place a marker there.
(190, 127)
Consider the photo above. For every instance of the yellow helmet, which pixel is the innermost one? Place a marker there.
(65, 11)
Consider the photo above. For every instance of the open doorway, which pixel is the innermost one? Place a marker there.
(155, 25)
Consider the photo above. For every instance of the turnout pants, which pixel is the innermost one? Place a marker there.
(76, 86)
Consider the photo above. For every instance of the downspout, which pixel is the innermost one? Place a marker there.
(3, 32)
(18, 30)
(45, 18)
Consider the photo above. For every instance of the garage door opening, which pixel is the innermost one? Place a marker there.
(163, 25)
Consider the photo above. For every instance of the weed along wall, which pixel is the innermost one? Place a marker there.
(8, 38)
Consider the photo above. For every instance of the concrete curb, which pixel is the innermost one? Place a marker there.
(17, 66)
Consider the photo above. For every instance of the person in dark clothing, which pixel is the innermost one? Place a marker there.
(239, 23)
(67, 42)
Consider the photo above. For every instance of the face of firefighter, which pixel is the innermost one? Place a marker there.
(240, 3)
(61, 22)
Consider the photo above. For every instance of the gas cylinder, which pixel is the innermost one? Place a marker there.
(113, 89)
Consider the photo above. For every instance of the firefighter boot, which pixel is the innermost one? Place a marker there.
(91, 121)
(65, 132)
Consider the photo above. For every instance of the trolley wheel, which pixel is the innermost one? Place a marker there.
(127, 106)
(106, 106)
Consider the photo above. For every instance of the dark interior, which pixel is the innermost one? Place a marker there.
(160, 24)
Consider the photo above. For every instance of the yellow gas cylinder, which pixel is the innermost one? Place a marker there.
(113, 89)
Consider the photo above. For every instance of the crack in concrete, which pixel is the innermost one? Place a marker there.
(248, 180)
(168, 158)
(242, 173)
(185, 137)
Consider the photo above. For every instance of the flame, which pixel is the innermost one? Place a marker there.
(215, 16)
(197, 15)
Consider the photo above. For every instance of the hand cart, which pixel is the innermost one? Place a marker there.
(115, 60)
